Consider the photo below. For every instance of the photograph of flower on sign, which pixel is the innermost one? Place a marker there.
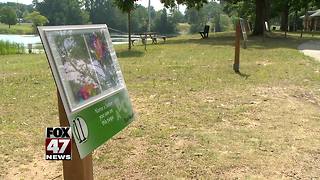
(90, 82)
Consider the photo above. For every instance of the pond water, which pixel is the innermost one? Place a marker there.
(21, 39)
(33, 39)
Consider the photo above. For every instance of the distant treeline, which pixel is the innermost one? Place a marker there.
(165, 21)
(20, 9)
(61, 12)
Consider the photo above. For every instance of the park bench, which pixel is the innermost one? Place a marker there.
(205, 33)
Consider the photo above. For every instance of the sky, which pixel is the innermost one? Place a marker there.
(19, 1)
(155, 3)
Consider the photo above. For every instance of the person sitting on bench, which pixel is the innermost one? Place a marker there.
(205, 33)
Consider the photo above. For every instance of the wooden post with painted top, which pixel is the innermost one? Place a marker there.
(75, 169)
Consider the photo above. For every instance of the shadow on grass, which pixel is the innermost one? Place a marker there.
(130, 54)
(272, 41)
(246, 76)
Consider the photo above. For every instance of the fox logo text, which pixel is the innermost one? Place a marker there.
(58, 143)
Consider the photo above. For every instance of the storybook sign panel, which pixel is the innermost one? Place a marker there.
(243, 29)
(90, 82)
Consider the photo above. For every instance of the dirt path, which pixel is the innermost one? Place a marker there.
(311, 48)
(36, 169)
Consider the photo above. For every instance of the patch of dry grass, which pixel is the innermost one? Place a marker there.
(196, 118)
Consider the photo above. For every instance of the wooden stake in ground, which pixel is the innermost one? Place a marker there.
(285, 33)
(236, 65)
(76, 169)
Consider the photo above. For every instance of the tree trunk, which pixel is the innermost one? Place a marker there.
(295, 21)
(284, 18)
(260, 17)
(129, 29)
(217, 23)
(9, 26)
(306, 22)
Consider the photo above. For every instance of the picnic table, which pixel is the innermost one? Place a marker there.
(152, 35)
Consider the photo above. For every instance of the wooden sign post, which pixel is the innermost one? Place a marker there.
(75, 169)
(285, 33)
(90, 83)
(236, 65)
(93, 100)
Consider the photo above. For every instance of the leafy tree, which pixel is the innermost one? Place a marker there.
(139, 19)
(62, 12)
(196, 18)
(189, 3)
(165, 24)
(261, 13)
(209, 13)
(177, 16)
(37, 19)
(100, 10)
(244, 9)
(17, 7)
(214, 11)
(292, 8)
(8, 16)
(105, 11)
(127, 6)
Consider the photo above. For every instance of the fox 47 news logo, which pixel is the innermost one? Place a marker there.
(58, 143)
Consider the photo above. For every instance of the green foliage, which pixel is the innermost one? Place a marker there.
(211, 14)
(139, 19)
(243, 9)
(8, 16)
(125, 5)
(226, 23)
(196, 18)
(165, 24)
(7, 47)
(106, 12)
(22, 28)
(177, 16)
(37, 19)
(100, 10)
(19, 9)
(63, 12)
(189, 3)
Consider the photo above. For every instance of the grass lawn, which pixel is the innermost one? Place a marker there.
(196, 118)
(23, 28)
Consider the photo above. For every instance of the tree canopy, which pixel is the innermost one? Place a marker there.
(8, 16)
(115, 13)
(37, 19)
(62, 12)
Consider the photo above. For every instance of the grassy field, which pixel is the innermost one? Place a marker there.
(23, 28)
(196, 118)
